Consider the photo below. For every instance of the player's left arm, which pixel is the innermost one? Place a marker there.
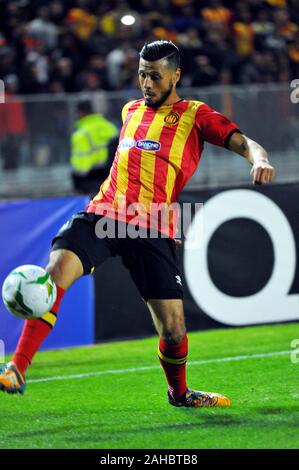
(262, 171)
(217, 129)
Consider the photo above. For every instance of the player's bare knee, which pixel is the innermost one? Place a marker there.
(64, 267)
(55, 269)
(55, 263)
(174, 336)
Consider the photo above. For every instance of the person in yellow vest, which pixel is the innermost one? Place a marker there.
(92, 146)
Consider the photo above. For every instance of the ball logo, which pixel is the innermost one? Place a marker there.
(151, 145)
(172, 118)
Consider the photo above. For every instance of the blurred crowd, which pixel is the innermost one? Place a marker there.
(84, 45)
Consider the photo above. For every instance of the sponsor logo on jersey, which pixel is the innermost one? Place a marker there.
(172, 118)
(126, 143)
(178, 280)
(151, 145)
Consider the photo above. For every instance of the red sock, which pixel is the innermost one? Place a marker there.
(34, 333)
(173, 358)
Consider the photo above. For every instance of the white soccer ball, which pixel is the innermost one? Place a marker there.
(29, 292)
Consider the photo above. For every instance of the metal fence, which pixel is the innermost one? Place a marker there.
(35, 136)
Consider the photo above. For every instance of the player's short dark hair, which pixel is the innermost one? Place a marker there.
(161, 50)
(85, 106)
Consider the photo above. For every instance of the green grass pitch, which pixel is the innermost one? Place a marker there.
(113, 395)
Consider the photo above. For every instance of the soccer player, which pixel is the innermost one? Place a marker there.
(159, 148)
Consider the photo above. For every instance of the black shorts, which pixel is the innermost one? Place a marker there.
(151, 262)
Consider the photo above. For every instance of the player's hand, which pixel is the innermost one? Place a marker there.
(262, 172)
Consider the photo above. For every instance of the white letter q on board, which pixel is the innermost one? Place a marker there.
(272, 303)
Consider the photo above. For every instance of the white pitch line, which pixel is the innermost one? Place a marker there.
(140, 369)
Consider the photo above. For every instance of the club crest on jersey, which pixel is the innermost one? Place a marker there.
(172, 118)
(151, 145)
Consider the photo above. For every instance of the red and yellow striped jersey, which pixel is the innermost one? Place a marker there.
(158, 152)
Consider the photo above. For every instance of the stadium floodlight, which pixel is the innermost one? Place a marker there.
(128, 20)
